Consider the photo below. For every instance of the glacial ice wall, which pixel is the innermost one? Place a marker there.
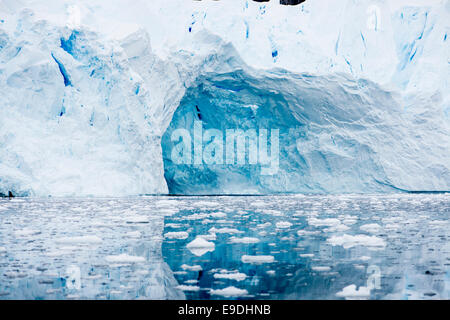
(358, 89)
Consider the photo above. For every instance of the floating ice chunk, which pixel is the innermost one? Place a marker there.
(271, 272)
(275, 213)
(329, 222)
(133, 234)
(188, 288)
(244, 240)
(283, 225)
(174, 225)
(229, 292)
(365, 258)
(307, 232)
(200, 246)
(306, 255)
(218, 214)
(348, 241)
(79, 240)
(371, 228)
(197, 216)
(224, 230)
(257, 259)
(350, 292)
(321, 269)
(207, 204)
(231, 276)
(124, 258)
(26, 232)
(2, 249)
(191, 281)
(191, 268)
(176, 235)
(264, 225)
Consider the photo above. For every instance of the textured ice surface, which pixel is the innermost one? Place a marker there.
(82, 248)
(359, 91)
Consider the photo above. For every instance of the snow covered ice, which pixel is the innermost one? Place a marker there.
(90, 94)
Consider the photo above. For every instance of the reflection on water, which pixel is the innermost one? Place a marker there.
(271, 247)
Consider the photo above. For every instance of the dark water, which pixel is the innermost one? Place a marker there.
(272, 247)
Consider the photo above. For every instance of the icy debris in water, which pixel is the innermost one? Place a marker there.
(237, 276)
(124, 258)
(371, 228)
(271, 272)
(283, 225)
(188, 288)
(79, 240)
(229, 292)
(306, 255)
(200, 246)
(191, 268)
(350, 292)
(244, 240)
(257, 259)
(224, 230)
(176, 235)
(348, 241)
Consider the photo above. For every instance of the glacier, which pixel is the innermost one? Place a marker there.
(90, 92)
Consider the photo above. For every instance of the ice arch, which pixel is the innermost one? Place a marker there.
(331, 132)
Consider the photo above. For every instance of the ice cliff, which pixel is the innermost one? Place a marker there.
(90, 92)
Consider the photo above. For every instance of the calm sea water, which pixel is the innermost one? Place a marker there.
(269, 247)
